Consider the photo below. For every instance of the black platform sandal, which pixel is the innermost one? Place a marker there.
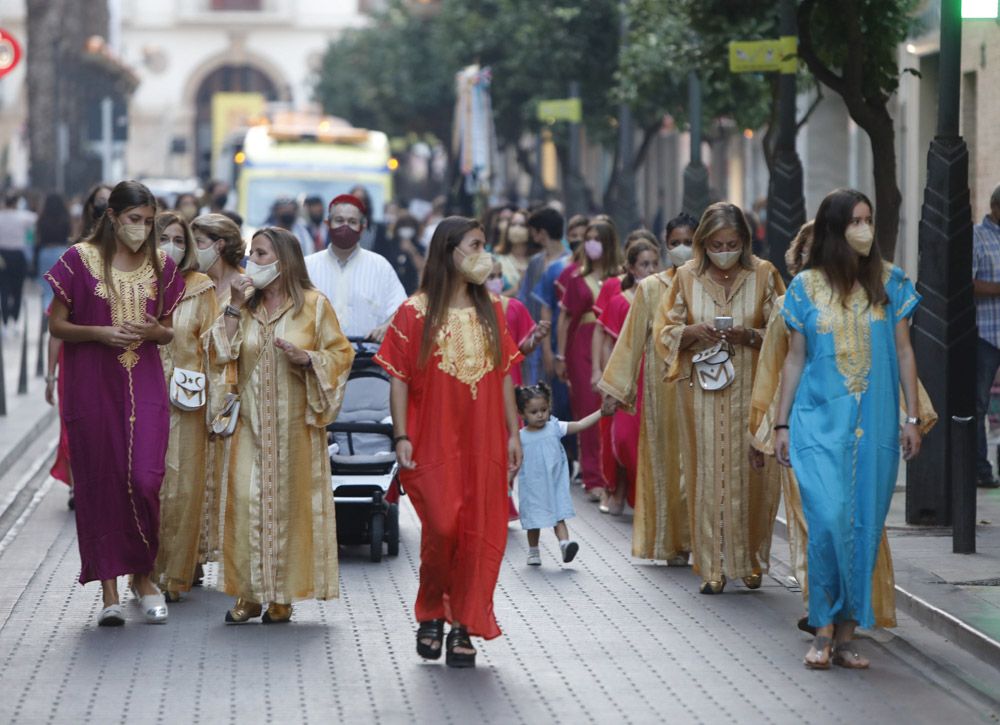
(434, 631)
(458, 637)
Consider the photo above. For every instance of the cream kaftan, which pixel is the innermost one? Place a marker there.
(279, 542)
(732, 506)
(184, 517)
(660, 528)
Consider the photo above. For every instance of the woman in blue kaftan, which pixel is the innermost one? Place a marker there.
(847, 358)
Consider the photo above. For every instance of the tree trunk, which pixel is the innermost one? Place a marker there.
(44, 110)
(888, 200)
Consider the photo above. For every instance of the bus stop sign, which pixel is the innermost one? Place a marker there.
(10, 52)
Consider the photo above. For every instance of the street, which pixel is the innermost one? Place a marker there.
(606, 639)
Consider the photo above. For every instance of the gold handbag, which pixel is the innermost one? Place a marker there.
(224, 423)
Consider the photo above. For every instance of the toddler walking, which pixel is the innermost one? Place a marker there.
(543, 482)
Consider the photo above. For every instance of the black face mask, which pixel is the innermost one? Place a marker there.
(316, 218)
(219, 200)
(99, 210)
(286, 220)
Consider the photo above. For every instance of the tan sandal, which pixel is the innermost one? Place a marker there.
(819, 645)
(848, 658)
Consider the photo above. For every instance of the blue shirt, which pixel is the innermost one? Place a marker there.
(986, 268)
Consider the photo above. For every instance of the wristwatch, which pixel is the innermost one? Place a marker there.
(231, 311)
(910, 420)
(753, 337)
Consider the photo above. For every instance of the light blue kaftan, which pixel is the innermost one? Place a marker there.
(844, 430)
(543, 482)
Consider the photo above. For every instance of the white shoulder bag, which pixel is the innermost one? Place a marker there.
(713, 367)
(187, 389)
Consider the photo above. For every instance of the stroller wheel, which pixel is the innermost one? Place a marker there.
(392, 530)
(377, 536)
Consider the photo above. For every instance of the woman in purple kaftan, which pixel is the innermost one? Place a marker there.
(115, 397)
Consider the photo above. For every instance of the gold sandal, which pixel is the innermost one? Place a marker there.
(819, 644)
(848, 658)
(243, 611)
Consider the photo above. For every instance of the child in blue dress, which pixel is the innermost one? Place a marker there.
(543, 482)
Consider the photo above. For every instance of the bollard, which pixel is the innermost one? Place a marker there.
(22, 378)
(40, 363)
(3, 382)
(963, 489)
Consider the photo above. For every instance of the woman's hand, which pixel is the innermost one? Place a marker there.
(514, 454)
(50, 390)
(560, 368)
(704, 333)
(113, 336)
(756, 459)
(404, 454)
(737, 335)
(542, 331)
(609, 405)
(781, 447)
(151, 329)
(295, 355)
(910, 440)
(239, 291)
(595, 378)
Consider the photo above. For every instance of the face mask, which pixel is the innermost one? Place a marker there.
(725, 260)
(174, 252)
(477, 267)
(132, 236)
(219, 201)
(343, 237)
(99, 210)
(593, 249)
(286, 220)
(206, 257)
(316, 218)
(680, 254)
(188, 211)
(860, 237)
(407, 233)
(262, 275)
(495, 285)
(517, 235)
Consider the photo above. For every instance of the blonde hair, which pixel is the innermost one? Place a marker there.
(718, 217)
(797, 255)
(292, 265)
(219, 226)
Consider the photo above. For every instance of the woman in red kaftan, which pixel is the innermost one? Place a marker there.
(449, 352)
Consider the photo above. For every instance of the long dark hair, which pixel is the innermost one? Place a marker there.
(833, 255)
(88, 219)
(612, 256)
(127, 195)
(291, 264)
(52, 228)
(439, 280)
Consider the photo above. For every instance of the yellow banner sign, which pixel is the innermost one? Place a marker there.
(764, 56)
(230, 111)
(560, 109)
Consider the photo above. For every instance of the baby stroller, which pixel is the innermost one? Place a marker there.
(362, 461)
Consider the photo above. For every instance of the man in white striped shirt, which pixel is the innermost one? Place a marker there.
(361, 285)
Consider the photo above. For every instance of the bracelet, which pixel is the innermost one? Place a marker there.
(51, 378)
(397, 439)
(560, 358)
(231, 311)
(753, 337)
(781, 427)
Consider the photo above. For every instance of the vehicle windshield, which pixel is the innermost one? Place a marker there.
(261, 194)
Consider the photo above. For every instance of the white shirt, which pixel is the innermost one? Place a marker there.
(364, 291)
(14, 227)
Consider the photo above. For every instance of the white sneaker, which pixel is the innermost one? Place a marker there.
(534, 559)
(154, 608)
(111, 616)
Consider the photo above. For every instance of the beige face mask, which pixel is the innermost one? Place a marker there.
(476, 267)
(132, 236)
(725, 260)
(860, 237)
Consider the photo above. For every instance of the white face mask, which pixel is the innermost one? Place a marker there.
(860, 237)
(495, 285)
(476, 267)
(132, 236)
(725, 260)
(407, 233)
(174, 252)
(206, 257)
(262, 275)
(680, 254)
(593, 249)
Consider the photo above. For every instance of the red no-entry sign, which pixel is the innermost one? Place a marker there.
(10, 52)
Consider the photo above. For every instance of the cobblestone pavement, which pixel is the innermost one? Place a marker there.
(606, 639)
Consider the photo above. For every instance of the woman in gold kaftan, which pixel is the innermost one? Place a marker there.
(279, 541)
(183, 514)
(732, 505)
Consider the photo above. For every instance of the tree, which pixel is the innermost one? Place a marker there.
(850, 47)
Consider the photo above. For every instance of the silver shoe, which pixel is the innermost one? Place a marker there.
(154, 608)
(111, 616)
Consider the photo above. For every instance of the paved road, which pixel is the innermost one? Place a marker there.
(606, 639)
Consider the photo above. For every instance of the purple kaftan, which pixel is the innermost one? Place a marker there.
(116, 412)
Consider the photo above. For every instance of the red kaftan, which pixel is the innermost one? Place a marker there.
(520, 325)
(456, 423)
(624, 426)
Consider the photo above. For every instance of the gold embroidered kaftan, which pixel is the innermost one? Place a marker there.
(660, 528)
(183, 516)
(763, 409)
(732, 506)
(279, 542)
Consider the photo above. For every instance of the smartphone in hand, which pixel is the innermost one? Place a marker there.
(723, 323)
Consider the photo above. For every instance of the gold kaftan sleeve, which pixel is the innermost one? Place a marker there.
(668, 326)
(225, 350)
(767, 381)
(331, 363)
(925, 408)
(774, 290)
(621, 376)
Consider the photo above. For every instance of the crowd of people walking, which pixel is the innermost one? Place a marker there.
(676, 375)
